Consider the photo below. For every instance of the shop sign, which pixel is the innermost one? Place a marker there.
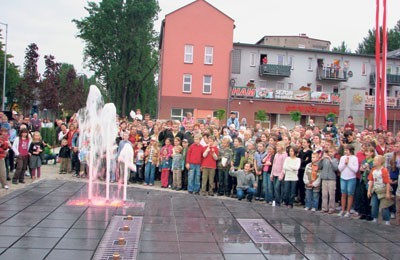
(301, 95)
(283, 94)
(335, 98)
(320, 96)
(391, 101)
(265, 93)
(313, 109)
(243, 92)
(369, 100)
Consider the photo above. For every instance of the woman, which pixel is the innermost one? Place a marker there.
(305, 158)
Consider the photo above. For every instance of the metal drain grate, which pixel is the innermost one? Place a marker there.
(122, 237)
(261, 232)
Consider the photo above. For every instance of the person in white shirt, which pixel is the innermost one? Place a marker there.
(291, 168)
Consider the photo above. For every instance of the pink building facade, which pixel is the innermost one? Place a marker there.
(195, 49)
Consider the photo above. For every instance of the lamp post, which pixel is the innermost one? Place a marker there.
(5, 70)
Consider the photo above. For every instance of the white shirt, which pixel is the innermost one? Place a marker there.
(348, 171)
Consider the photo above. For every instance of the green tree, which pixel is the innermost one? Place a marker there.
(261, 115)
(72, 90)
(120, 46)
(27, 89)
(50, 85)
(342, 48)
(367, 46)
(295, 116)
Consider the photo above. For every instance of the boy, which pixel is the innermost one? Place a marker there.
(312, 182)
(328, 165)
(209, 164)
(65, 156)
(193, 163)
(224, 161)
(246, 182)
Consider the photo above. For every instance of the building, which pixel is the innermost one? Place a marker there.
(302, 41)
(195, 49)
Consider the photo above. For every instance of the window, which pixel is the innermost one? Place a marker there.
(319, 88)
(290, 62)
(335, 89)
(309, 67)
(364, 69)
(180, 113)
(252, 59)
(262, 83)
(398, 70)
(290, 86)
(188, 54)
(236, 60)
(187, 83)
(208, 55)
(207, 84)
(389, 70)
(281, 59)
(280, 85)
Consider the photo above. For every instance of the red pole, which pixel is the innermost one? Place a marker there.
(377, 68)
(384, 77)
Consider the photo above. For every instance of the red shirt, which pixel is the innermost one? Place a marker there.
(194, 154)
(361, 157)
(23, 148)
(209, 161)
(3, 147)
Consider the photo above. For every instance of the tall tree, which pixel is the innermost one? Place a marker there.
(72, 92)
(27, 90)
(342, 48)
(12, 75)
(367, 46)
(121, 48)
(49, 87)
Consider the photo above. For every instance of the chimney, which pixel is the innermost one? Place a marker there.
(303, 35)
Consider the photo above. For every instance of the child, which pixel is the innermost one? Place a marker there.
(258, 158)
(291, 167)
(348, 167)
(177, 166)
(139, 162)
(151, 161)
(379, 190)
(193, 163)
(35, 150)
(267, 168)
(277, 172)
(312, 182)
(246, 182)
(83, 159)
(362, 201)
(208, 165)
(165, 164)
(185, 148)
(65, 156)
(328, 165)
(4, 143)
(224, 161)
(167, 146)
(21, 150)
(239, 155)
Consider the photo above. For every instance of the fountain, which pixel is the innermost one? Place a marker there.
(98, 131)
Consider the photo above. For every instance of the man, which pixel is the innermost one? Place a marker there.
(36, 123)
(246, 183)
(233, 120)
(330, 128)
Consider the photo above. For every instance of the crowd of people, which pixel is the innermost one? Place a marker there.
(336, 170)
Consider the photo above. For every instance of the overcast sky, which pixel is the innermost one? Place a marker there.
(48, 22)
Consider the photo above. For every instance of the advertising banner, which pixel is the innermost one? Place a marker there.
(265, 93)
(301, 95)
(283, 94)
(320, 97)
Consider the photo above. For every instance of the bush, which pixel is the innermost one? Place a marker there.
(49, 135)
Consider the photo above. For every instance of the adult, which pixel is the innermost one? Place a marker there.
(232, 120)
(330, 128)
(36, 123)
(188, 120)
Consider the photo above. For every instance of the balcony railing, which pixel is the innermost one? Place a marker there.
(329, 73)
(275, 70)
(391, 79)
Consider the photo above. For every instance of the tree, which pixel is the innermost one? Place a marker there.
(72, 90)
(367, 46)
(261, 115)
(12, 78)
(342, 48)
(26, 91)
(121, 49)
(295, 116)
(50, 86)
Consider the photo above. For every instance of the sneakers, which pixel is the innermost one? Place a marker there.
(375, 220)
(313, 210)
(6, 187)
(340, 214)
(347, 215)
(387, 223)
(392, 215)
(273, 204)
(306, 208)
(352, 211)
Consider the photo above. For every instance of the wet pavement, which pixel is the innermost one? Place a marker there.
(37, 223)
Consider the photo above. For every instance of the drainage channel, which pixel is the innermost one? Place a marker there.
(261, 232)
(121, 239)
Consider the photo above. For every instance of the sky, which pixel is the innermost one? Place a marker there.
(49, 23)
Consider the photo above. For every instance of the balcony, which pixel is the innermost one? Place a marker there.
(331, 74)
(391, 79)
(275, 70)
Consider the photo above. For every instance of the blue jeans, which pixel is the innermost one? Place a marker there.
(267, 184)
(149, 172)
(277, 190)
(375, 208)
(242, 193)
(312, 198)
(260, 188)
(223, 186)
(290, 192)
(194, 178)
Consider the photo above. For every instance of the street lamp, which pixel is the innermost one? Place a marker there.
(5, 69)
